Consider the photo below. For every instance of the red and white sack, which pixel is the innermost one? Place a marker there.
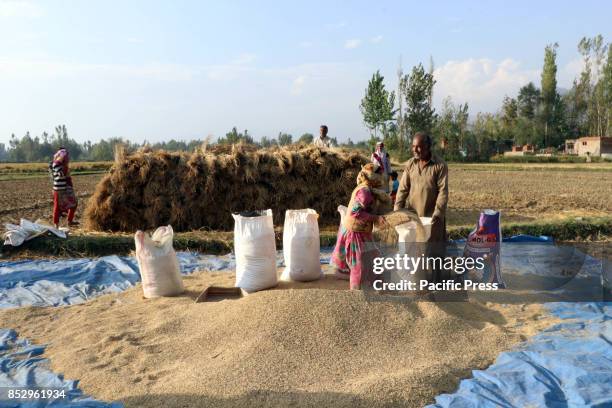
(255, 249)
(159, 267)
(301, 246)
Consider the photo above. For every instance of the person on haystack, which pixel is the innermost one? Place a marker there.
(323, 141)
(64, 199)
(354, 252)
(380, 158)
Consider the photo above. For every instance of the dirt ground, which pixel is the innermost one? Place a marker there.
(522, 196)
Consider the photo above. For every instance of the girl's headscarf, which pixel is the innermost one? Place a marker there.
(368, 176)
(61, 157)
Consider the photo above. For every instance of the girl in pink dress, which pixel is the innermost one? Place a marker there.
(354, 252)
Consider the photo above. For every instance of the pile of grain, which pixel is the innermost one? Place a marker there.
(307, 344)
(200, 190)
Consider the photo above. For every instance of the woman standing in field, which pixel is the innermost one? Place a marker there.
(64, 199)
(354, 253)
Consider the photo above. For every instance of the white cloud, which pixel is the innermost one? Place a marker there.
(135, 40)
(352, 44)
(298, 85)
(481, 82)
(377, 39)
(17, 8)
(306, 44)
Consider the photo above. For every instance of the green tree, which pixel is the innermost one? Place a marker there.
(549, 89)
(528, 101)
(234, 137)
(607, 92)
(284, 139)
(417, 89)
(594, 52)
(306, 138)
(377, 104)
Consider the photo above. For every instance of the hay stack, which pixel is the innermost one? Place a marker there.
(200, 190)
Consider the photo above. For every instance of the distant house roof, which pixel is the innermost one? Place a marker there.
(585, 138)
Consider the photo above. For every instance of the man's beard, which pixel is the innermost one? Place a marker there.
(416, 155)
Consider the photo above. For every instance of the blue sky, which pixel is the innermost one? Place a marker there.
(187, 69)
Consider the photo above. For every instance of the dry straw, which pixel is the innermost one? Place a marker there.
(190, 191)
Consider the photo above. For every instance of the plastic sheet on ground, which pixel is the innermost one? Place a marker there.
(22, 367)
(568, 365)
(71, 281)
(16, 235)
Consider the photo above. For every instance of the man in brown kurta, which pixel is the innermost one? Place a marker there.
(424, 186)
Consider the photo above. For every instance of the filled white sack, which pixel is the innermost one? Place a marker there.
(159, 267)
(255, 249)
(301, 246)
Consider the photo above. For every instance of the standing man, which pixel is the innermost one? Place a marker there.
(424, 186)
(380, 158)
(323, 141)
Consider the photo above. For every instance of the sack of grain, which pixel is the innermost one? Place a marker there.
(485, 242)
(159, 267)
(255, 250)
(301, 247)
(411, 241)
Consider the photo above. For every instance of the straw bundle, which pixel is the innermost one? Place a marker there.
(200, 190)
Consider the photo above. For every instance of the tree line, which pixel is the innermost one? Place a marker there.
(41, 148)
(543, 116)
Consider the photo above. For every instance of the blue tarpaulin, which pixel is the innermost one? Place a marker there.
(568, 365)
(22, 367)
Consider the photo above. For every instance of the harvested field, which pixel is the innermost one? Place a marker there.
(302, 344)
(191, 191)
(32, 197)
(550, 192)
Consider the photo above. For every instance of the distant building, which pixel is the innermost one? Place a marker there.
(596, 146)
(521, 150)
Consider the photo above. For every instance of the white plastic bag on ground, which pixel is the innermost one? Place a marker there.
(16, 235)
(255, 249)
(301, 246)
(159, 267)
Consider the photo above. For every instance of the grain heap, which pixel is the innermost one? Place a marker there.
(200, 190)
(300, 345)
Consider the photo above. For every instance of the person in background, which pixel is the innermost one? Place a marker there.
(394, 185)
(323, 141)
(64, 199)
(381, 159)
(354, 252)
(424, 186)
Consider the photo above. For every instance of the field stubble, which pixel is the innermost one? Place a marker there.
(521, 195)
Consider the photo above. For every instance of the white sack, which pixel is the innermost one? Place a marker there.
(16, 235)
(408, 245)
(159, 267)
(301, 246)
(255, 250)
